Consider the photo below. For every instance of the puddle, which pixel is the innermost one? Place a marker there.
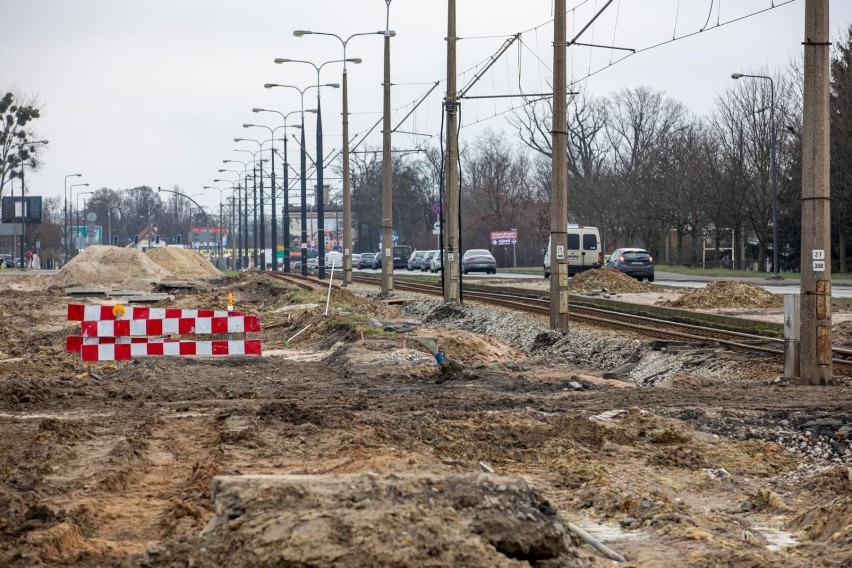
(608, 415)
(779, 540)
(607, 532)
(58, 416)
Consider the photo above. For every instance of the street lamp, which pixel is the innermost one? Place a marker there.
(77, 201)
(77, 222)
(236, 220)
(244, 257)
(319, 171)
(303, 159)
(221, 220)
(274, 235)
(255, 165)
(347, 207)
(286, 194)
(735, 76)
(67, 219)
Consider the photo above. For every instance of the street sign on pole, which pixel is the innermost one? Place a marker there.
(503, 238)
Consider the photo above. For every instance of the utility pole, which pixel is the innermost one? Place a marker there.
(347, 204)
(449, 263)
(387, 172)
(815, 347)
(559, 177)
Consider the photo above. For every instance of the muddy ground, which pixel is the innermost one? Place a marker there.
(716, 461)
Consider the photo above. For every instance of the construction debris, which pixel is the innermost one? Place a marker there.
(728, 294)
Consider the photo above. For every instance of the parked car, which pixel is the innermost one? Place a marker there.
(634, 262)
(435, 264)
(365, 260)
(356, 258)
(478, 260)
(377, 260)
(313, 263)
(6, 261)
(584, 250)
(415, 261)
(426, 263)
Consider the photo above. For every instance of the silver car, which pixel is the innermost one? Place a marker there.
(478, 260)
(426, 263)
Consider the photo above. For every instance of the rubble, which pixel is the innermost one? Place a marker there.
(727, 294)
(606, 279)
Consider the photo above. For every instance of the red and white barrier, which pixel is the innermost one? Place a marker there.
(113, 333)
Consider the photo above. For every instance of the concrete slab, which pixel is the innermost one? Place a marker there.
(475, 520)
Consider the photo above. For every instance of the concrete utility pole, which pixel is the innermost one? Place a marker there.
(450, 208)
(815, 349)
(559, 177)
(387, 172)
(347, 205)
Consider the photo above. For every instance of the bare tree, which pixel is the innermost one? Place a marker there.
(15, 132)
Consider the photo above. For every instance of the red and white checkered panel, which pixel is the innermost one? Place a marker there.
(113, 351)
(105, 337)
(170, 326)
(85, 312)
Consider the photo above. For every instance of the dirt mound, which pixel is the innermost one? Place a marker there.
(606, 279)
(370, 520)
(728, 294)
(108, 266)
(183, 263)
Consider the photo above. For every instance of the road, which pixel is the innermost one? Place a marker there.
(839, 288)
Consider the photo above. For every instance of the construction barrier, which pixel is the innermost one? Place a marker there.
(116, 333)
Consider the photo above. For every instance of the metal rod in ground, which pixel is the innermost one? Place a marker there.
(298, 333)
(596, 544)
(330, 279)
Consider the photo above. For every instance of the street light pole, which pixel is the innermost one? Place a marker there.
(347, 192)
(77, 202)
(774, 167)
(320, 201)
(286, 195)
(303, 159)
(387, 171)
(71, 193)
(67, 219)
(242, 214)
(257, 204)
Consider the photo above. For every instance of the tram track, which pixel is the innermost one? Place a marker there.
(653, 327)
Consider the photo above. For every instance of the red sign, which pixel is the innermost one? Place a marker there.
(504, 237)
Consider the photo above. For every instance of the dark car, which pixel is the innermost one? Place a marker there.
(366, 260)
(478, 260)
(6, 261)
(634, 262)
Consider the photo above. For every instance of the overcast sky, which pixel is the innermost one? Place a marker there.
(152, 92)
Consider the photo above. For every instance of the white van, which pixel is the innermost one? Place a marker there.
(334, 257)
(584, 250)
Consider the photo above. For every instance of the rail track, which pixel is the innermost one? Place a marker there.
(653, 327)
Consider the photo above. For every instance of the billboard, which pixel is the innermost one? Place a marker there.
(12, 209)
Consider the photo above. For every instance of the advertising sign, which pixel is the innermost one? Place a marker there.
(504, 238)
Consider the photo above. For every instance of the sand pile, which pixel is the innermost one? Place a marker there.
(109, 266)
(728, 294)
(606, 279)
(183, 263)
